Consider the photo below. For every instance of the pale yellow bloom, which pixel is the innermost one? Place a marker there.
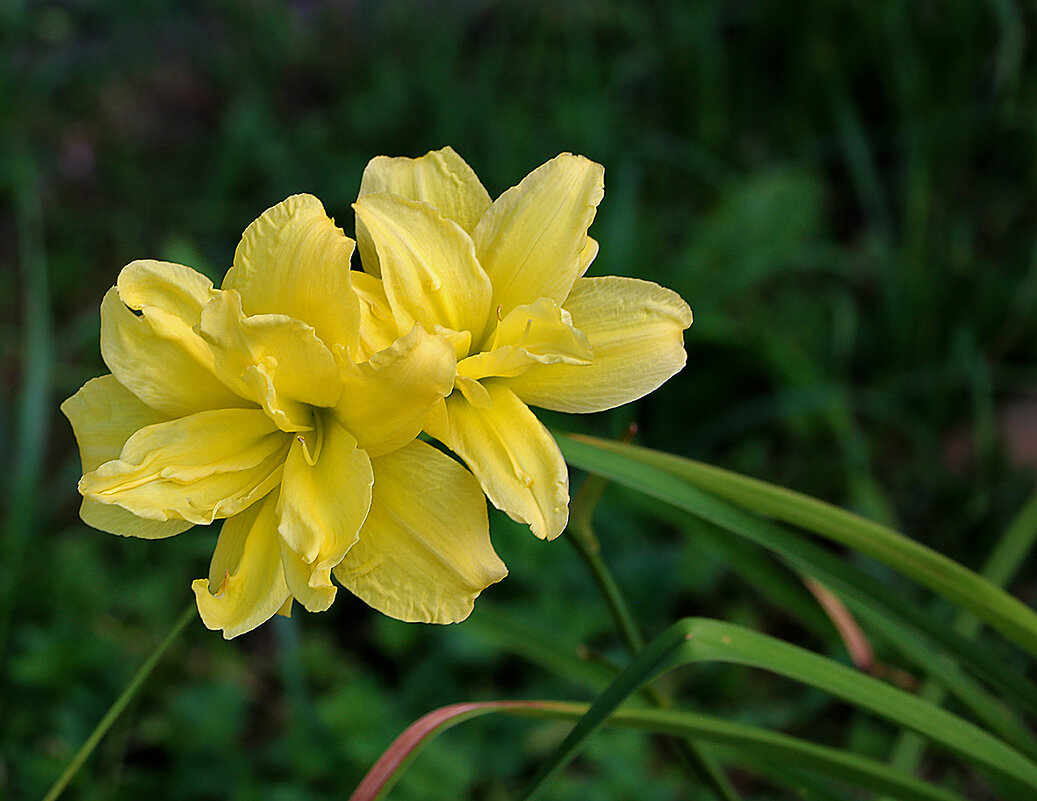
(256, 403)
(503, 282)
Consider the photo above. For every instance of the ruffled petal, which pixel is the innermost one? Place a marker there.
(273, 360)
(424, 553)
(440, 178)
(166, 287)
(385, 399)
(156, 354)
(511, 453)
(377, 324)
(428, 265)
(325, 495)
(246, 585)
(636, 330)
(531, 239)
(104, 414)
(537, 333)
(294, 261)
(116, 520)
(198, 468)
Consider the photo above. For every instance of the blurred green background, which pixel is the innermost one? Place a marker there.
(844, 192)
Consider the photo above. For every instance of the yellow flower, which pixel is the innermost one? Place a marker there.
(252, 403)
(503, 281)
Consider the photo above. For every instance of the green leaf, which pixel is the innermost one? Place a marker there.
(751, 741)
(933, 570)
(699, 640)
(857, 588)
(1012, 548)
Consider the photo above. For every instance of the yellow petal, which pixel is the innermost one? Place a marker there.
(474, 392)
(116, 520)
(325, 495)
(293, 260)
(246, 585)
(540, 332)
(531, 239)
(104, 414)
(588, 255)
(377, 324)
(511, 453)
(198, 468)
(164, 286)
(156, 354)
(636, 330)
(440, 178)
(424, 553)
(273, 360)
(386, 399)
(428, 264)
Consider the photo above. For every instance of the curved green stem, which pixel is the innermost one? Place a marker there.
(587, 547)
(118, 706)
(585, 541)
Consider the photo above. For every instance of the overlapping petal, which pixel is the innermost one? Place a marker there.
(276, 361)
(325, 496)
(246, 584)
(197, 468)
(514, 457)
(157, 355)
(588, 255)
(531, 240)
(386, 399)
(104, 414)
(635, 329)
(440, 178)
(166, 288)
(424, 553)
(537, 333)
(428, 264)
(294, 261)
(377, 325)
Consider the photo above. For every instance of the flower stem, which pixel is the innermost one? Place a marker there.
(586, 545)
(118, 706)
(585, 541)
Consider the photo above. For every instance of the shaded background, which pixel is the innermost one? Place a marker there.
(843, 192)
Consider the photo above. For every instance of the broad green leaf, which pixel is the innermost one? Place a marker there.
(854, 585)
(933, 570)
(986, 708)
(751, 741)
(584, 670)
(1001, 566)
(701, 640)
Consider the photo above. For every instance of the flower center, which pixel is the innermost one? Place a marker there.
(312, 440)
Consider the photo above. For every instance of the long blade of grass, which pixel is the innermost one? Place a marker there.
(23, 513)
(853, 584)
(699, 640)
(752, 741)
(1014, 546)
(933, 570)
(118, 706)
(914, 646)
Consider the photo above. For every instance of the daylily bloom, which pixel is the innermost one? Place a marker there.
(504, 282)
(253, 404)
